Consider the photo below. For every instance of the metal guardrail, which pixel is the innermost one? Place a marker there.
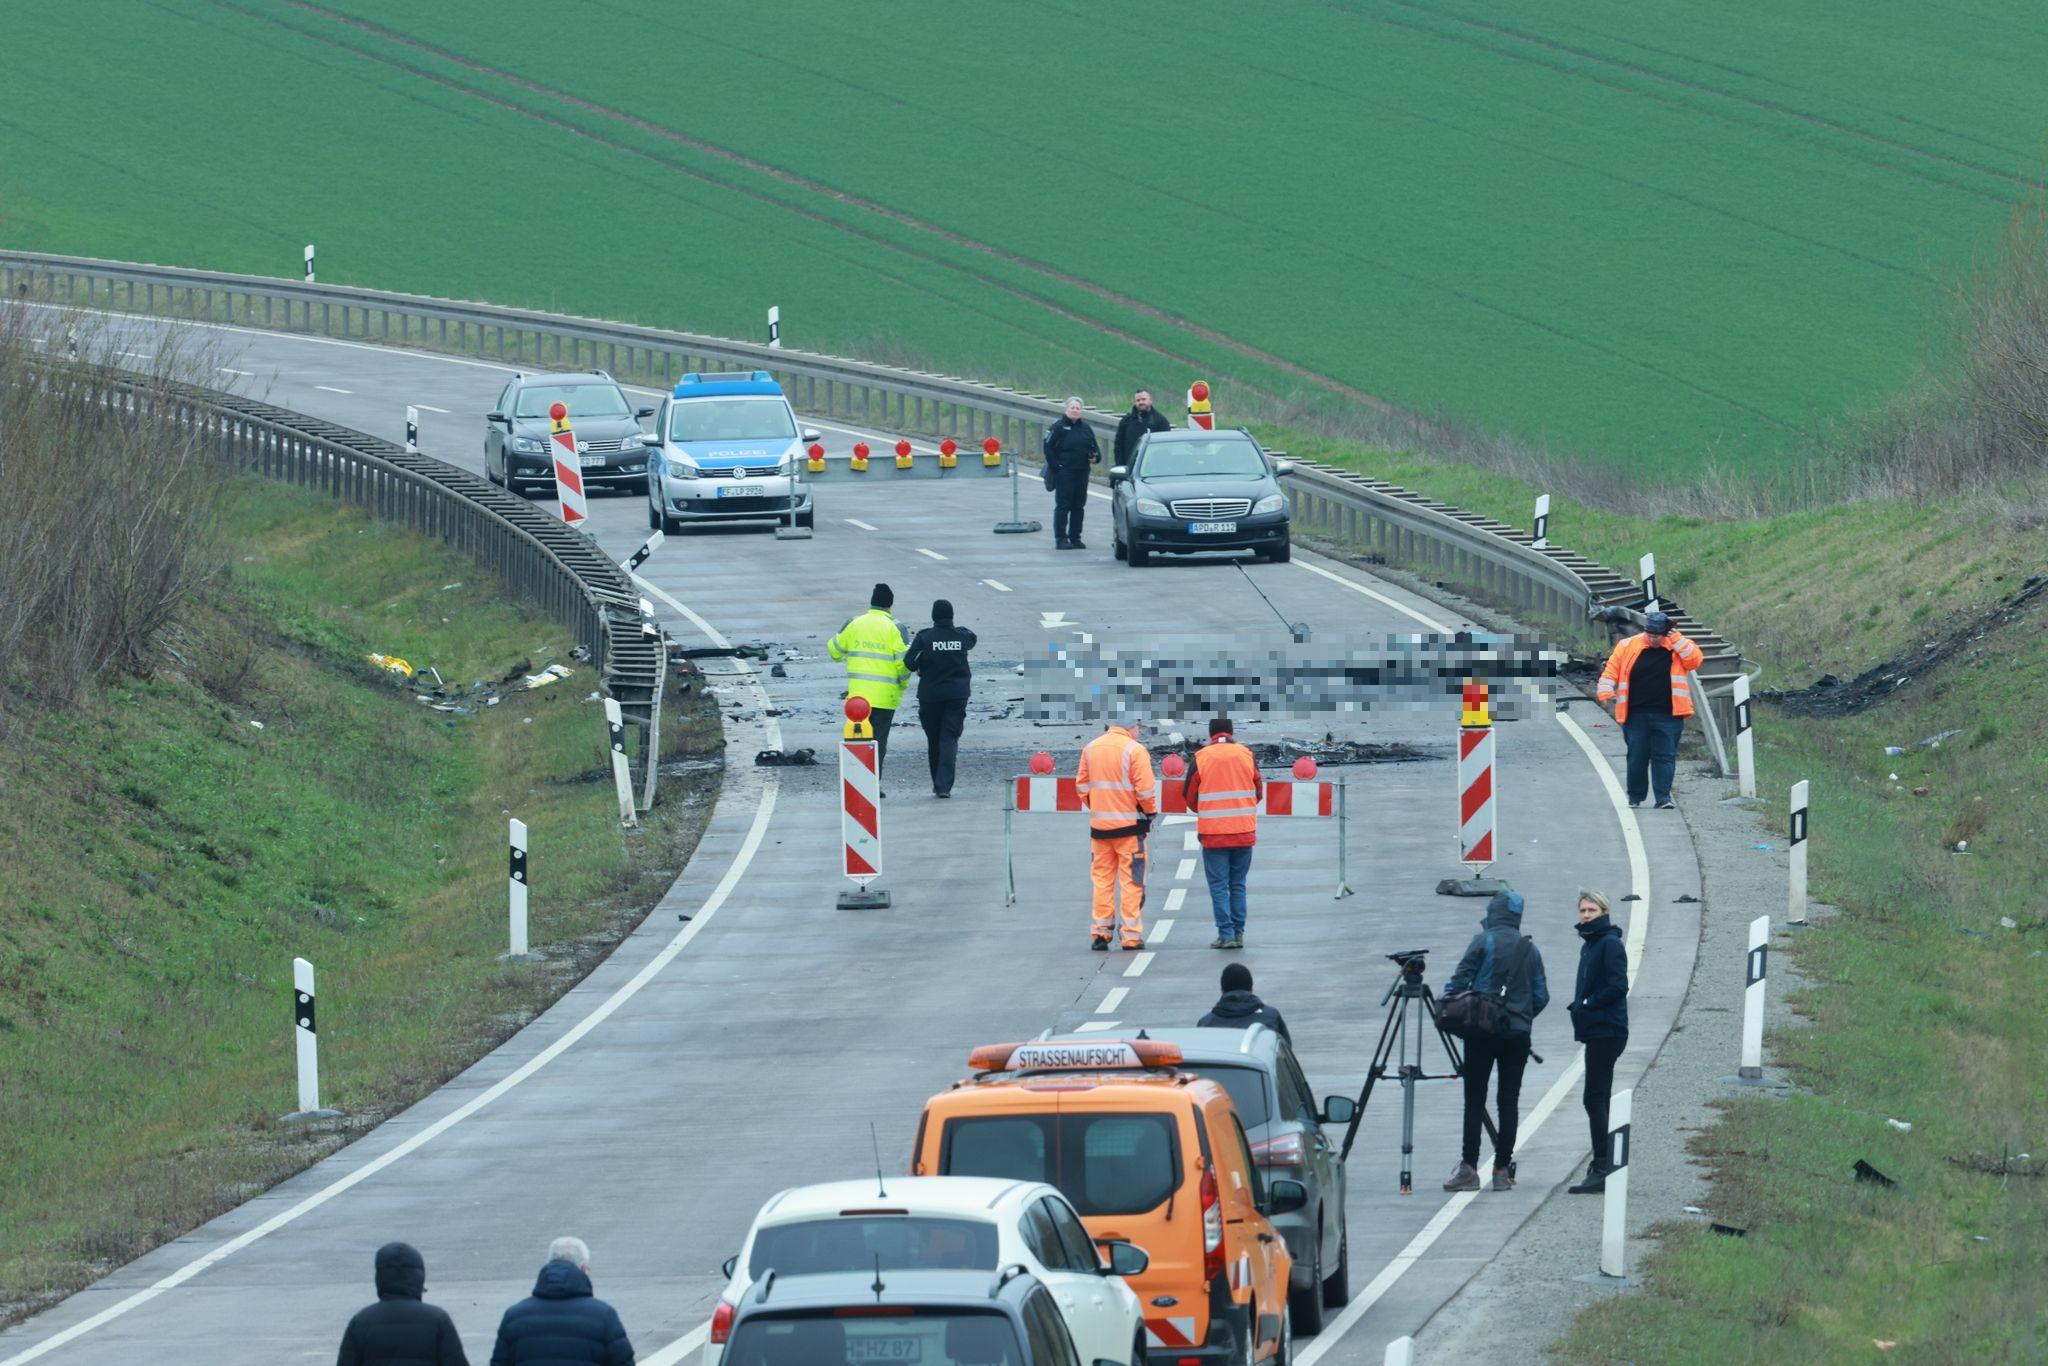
(541, 560)
(1486, 559)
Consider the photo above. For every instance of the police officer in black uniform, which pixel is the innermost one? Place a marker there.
(938, 656)
(1070, 449)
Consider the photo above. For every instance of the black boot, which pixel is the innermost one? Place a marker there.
(1594, 1182)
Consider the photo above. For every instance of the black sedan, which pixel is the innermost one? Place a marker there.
(1187, 491)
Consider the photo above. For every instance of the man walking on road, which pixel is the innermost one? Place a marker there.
(1070, 449)
(1116, 785)
(1142, 418)
(872, 645)
(1223, 789)
(938, 656)
(562, 1321)
(1647, 688)
(400, 1329)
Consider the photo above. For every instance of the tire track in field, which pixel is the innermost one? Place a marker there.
(782, 175)
(1534, 58)
(626, 149)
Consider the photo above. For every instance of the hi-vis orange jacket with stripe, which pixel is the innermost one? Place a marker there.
(1115, 780)
(1685, 657)
(1223, 788)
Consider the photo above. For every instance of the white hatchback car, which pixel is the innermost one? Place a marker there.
(946, 1223)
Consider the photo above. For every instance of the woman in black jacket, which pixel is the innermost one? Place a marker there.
(1599, 1012)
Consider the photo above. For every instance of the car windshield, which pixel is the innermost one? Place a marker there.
(869, 1333)
(1180, 459)
(730, 419)
(1104, 1163)
(862, 1242)
(1247, 1088)
(582, 400)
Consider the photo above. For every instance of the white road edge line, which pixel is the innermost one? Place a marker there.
(231, 370)
(932, 553)
(332, 390)
(1431, 622)
(855, 521)
(1138, 965)
(999, 587)
(1114, 999)
(757, 831)
(430, 408)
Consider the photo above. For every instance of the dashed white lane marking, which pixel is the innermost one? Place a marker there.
(999, 587)
(1160, 930)
(136, 355)
(1174, 899)
(332, 390)
(757, 832)
(1138, 965)
(1185, 871)
(855, 521)
(231, 370)
(1096, 1026)
(931, 553)
(1113, 1000)
(1193, 841)
(429, 408)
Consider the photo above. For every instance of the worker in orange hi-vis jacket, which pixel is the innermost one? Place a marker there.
(1116, 784)
(1647, 685)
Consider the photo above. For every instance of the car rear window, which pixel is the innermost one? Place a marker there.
(1247, 1088)
(1102, 1163)
(861, 1334)
(1179, 459)
(730, 419)
(582, 400)
(855, 1242)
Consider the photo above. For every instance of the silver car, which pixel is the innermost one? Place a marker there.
(606, 424)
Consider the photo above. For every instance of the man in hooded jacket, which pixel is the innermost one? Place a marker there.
(562, 1323)
(1238, 1008)
(1599, 1011)
(400, 1329)
(1500, 961)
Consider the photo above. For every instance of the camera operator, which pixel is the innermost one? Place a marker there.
(1504, 963)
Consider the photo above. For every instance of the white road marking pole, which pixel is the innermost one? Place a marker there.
(309, 263)
(568, 466)
(775, 326)
(632, 563)
(1401, 1352)
(1755, 966)
(517, 887)
(621, 773)
(412, 430)
(306, 1027)
(1745, 742)
(1614, 1217)
(1795, 891)
(1648, 567)
(1542, 540)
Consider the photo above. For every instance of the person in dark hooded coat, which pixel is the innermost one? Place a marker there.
(1501, 961)
(400, 1329)
(1599, 1012)
(1237, 1008)
(562, 1323)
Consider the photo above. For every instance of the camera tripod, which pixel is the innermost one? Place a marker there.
(1409, 1002)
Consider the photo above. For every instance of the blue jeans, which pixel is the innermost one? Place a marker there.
(1652, 754)
(1226, 870)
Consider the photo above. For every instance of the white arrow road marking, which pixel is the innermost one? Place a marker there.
(1113, 1000)
(999, 587)
(1049, 621)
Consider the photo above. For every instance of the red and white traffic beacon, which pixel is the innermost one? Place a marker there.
(860, 809)
(1200, 414)
(1477, 831)
(568, 466)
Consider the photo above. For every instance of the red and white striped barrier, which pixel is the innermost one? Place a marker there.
(1476, 822)
(860, 809)
(568, 466)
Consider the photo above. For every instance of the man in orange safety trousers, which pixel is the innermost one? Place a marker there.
(1116, 784)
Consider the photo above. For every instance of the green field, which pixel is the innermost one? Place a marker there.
(174, 842)
(1661, 235)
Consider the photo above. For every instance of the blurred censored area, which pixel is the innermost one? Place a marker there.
(1240, 676)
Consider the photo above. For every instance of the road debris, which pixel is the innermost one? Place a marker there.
(391, 664)
(1867, 1173)
(553, 673)
(789, 758)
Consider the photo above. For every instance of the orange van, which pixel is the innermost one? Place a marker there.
(1154, 1157)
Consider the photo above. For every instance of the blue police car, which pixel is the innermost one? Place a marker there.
(726, 448)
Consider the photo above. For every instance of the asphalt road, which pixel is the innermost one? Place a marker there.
(713, 1061)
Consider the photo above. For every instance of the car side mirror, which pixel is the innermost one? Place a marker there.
(496, 417)
(1126, 1259)
(1284, 1196)
(1282, 468)
(811, 437)
(648, 439)
(729, 1265)
(1119, 473)
(643, 412)
(1338, 1110)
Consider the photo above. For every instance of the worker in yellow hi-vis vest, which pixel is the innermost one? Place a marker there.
(872, 646)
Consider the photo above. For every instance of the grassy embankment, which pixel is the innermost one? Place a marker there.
(1652, 235)
(166, 859)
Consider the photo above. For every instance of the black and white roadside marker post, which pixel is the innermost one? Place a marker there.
(516, 886)
(412, 430)
(622, 776)
(1745, 741)
(1795, 889)
(1648, 568)
(1542, 538)
(648, 630)
(306, 1026)
(309, 263)
(1614, 1213)
(1756, 965)
(775, 326)
(631, 564)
